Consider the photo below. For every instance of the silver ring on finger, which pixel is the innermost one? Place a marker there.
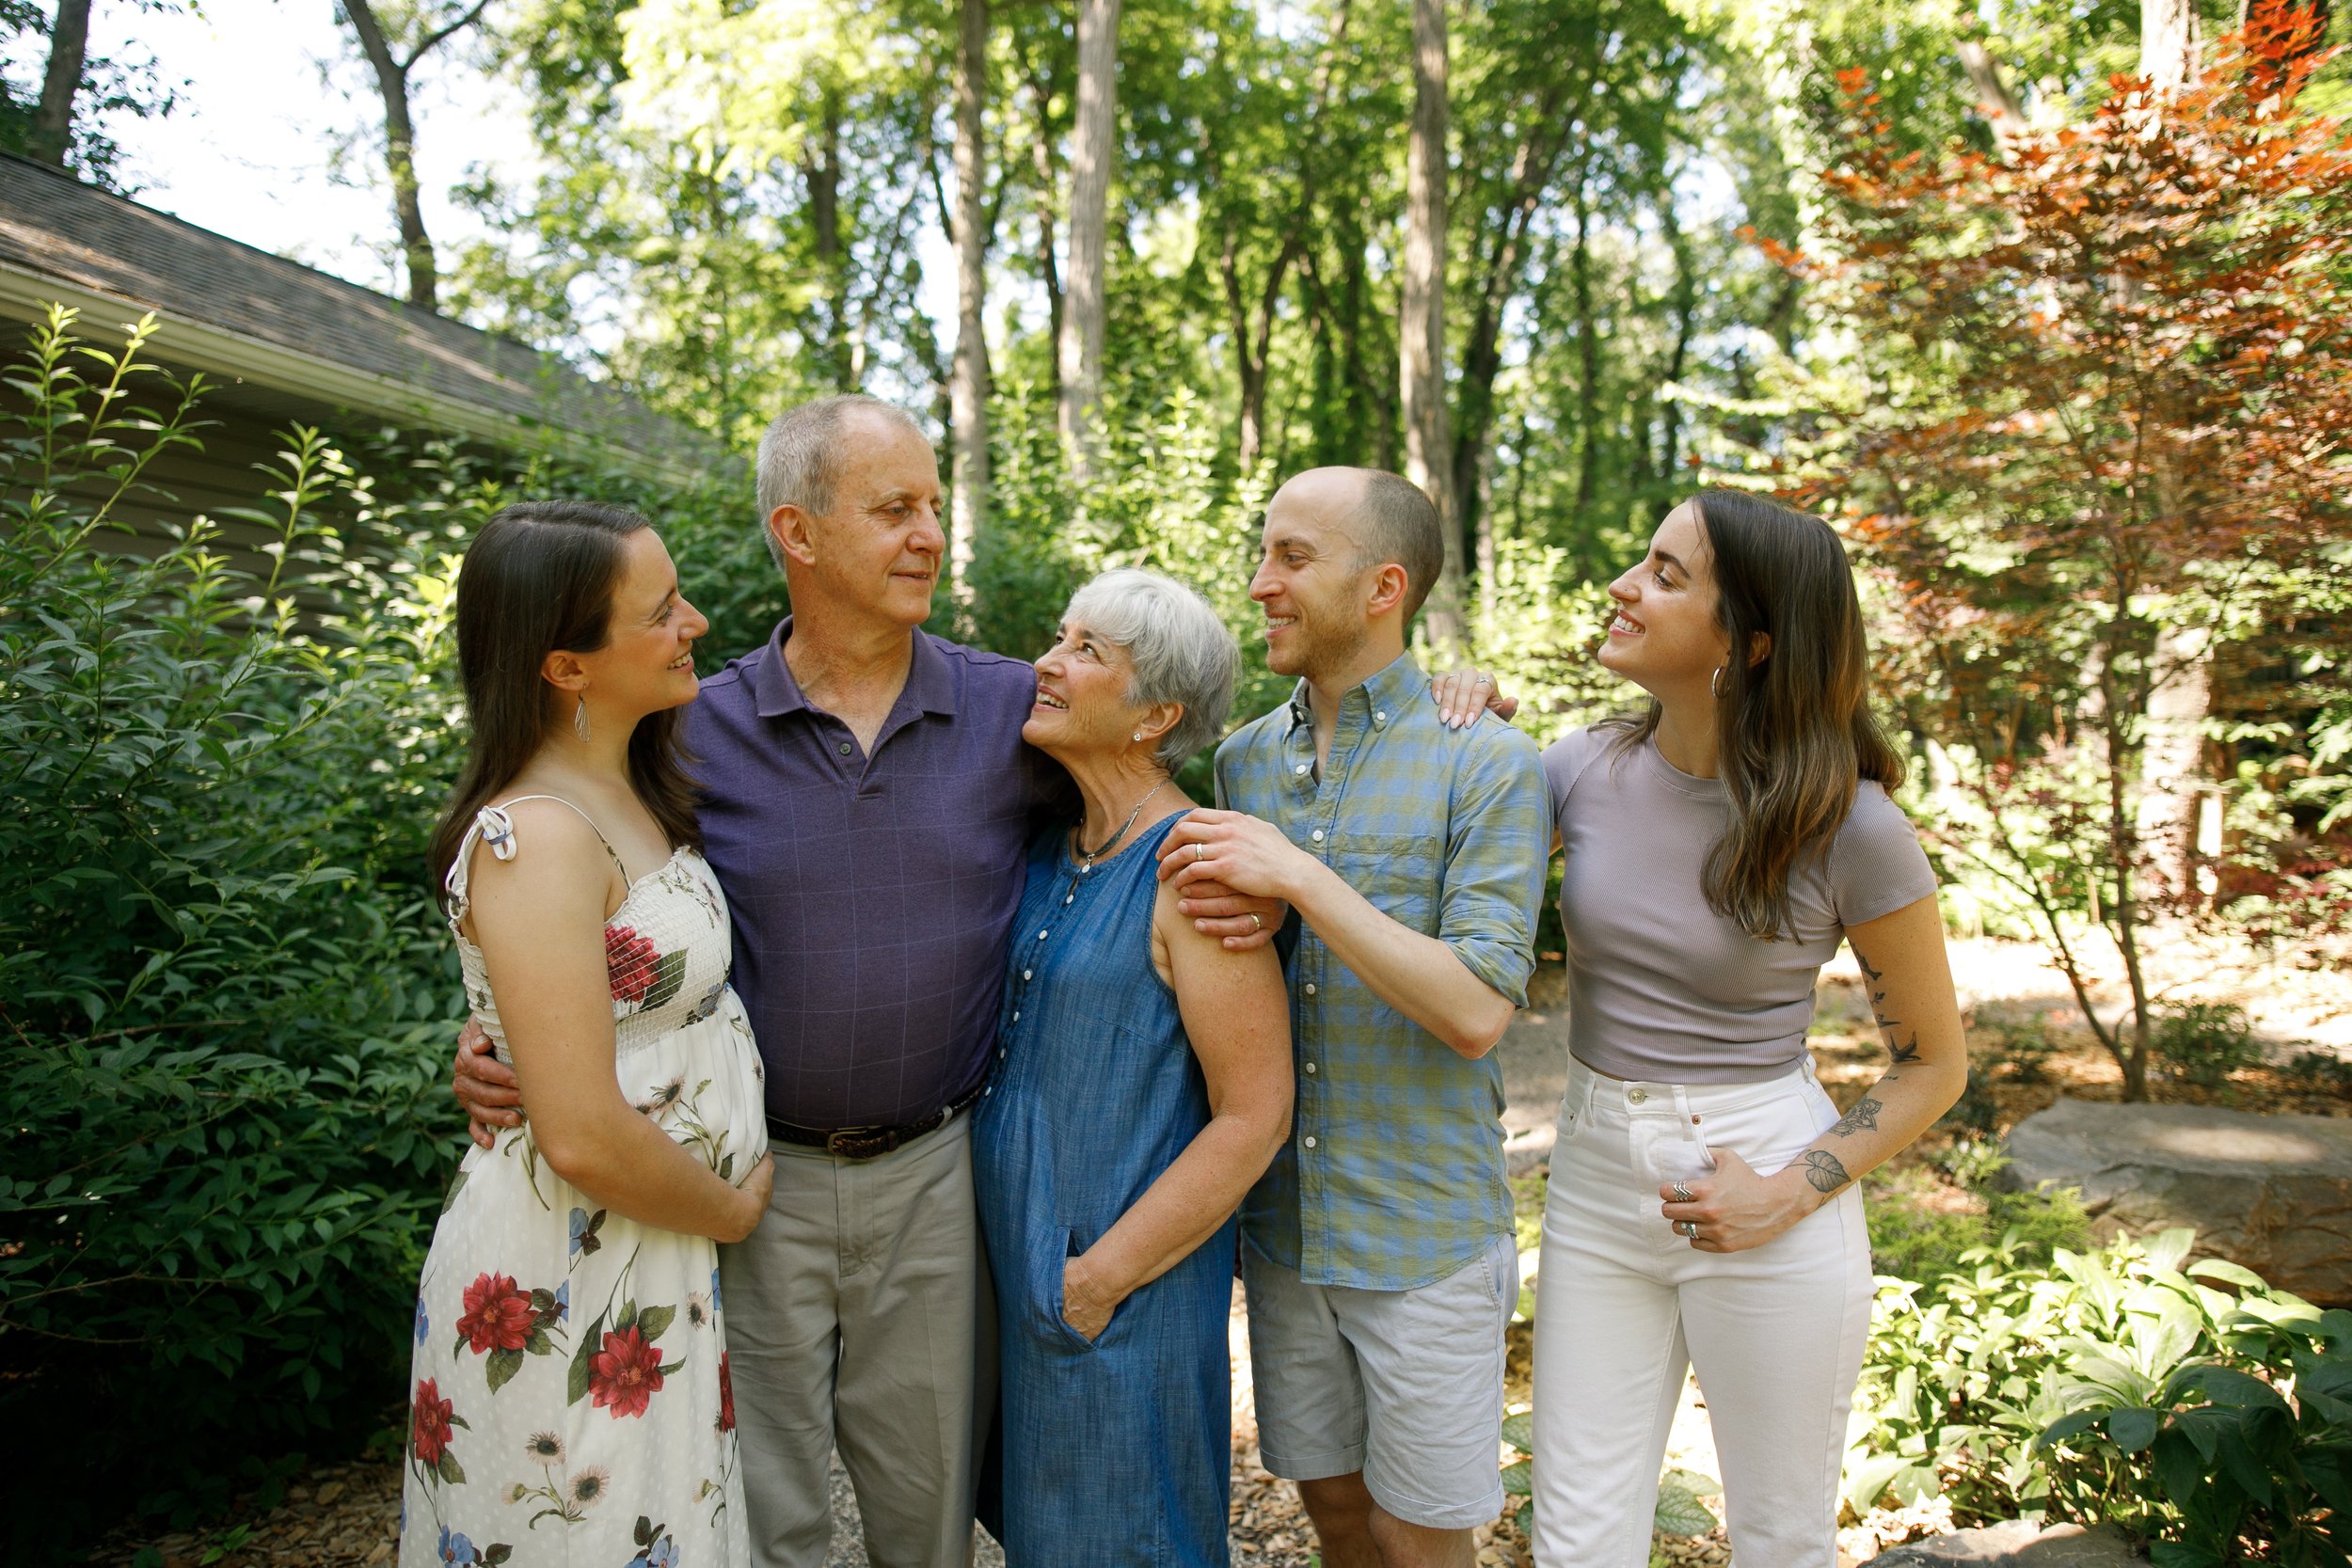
(1256, 924)
(1196, 851)
(1682, 1194)
(1688, 1228)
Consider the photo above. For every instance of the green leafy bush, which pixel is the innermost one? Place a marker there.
(2203, 1042)
(219, 972)
(1922, 1229)
(2115, 1385)
(226, 997)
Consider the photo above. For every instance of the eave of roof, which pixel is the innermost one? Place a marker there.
(239, 313)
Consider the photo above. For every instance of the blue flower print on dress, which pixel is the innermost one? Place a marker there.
(425, 1325)
(584, 1226)
(564, 1302)
(456, 1551)
(715, 1305)
(662, 1554)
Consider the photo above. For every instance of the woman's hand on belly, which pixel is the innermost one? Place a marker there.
(1735, 1208)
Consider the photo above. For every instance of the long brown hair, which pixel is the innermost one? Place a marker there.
(540, 577)
(1794, 731)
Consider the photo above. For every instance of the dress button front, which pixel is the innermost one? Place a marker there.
(1025, 974)
(1042, 935)
(1016, 1018)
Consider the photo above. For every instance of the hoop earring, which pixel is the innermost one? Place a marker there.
(580, 717)
(1715, 681)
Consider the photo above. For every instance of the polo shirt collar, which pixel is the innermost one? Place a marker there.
(930, 683)
(1386, 691)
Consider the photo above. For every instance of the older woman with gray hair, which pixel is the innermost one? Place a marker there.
(1143, 1082)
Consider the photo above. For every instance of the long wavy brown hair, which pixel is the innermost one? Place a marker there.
(1794, 730)
(540, 577)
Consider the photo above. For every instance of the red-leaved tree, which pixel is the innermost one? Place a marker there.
(2104, 448)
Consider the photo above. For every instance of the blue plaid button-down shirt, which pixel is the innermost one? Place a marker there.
(1394, 1173)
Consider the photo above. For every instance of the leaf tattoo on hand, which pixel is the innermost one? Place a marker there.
(1864, 1118)
(1825, 1170)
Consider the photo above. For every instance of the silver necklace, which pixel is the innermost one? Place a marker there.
(1088, 856)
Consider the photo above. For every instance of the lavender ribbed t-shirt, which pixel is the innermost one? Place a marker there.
(1661, 988)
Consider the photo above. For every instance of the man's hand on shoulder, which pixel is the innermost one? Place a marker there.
(1235, 872)
(484, 1085)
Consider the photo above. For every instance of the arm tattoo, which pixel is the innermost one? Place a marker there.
(1864, 1118)
(1825, 1170)
(1905, 1053)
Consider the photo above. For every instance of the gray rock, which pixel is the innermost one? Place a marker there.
(2273, 1194)
(2017, 1543)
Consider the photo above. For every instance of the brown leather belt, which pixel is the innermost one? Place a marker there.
(865, 1143)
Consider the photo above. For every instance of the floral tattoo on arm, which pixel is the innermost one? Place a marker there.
(1864, 1118)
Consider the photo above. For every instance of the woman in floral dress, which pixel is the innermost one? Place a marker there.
(570, 1402)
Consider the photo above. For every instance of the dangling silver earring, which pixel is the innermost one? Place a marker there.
(1715, 681)
(580, 717)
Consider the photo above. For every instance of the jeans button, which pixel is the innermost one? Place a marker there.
(1637, 1097)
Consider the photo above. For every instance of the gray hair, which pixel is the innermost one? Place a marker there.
(800, 456)
(1181, 651)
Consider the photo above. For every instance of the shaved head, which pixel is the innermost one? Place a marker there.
(1387, 515)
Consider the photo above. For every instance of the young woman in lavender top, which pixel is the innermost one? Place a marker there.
(1703, 1209)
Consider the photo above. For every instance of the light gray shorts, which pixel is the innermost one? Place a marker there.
(1403, 1385)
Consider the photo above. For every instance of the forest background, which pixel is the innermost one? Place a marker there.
(2042, 303)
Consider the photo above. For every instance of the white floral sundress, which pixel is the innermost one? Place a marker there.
(570, 1402)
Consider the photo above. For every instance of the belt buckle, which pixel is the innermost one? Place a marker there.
(859, 1143)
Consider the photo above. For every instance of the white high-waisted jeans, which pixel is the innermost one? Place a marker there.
(1623, 1305)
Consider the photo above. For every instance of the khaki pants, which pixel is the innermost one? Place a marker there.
(859, 1317)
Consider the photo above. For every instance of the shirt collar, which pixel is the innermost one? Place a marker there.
(1386, 691)
(930, 682)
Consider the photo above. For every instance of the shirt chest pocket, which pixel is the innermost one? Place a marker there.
(1399, 874)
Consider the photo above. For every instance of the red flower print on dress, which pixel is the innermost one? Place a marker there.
(626, 1374)
(630, 960)
(498, 1316)
(727, 1396)
(431, 1424)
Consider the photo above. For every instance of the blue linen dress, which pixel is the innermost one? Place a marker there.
(1118, 1452)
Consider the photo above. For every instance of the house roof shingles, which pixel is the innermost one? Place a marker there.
(55, 227)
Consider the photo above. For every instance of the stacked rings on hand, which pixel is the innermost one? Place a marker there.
(1688, 1228)
(1682, 1194)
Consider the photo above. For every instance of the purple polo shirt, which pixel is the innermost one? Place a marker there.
(873, 896)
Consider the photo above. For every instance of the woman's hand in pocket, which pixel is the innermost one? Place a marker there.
(1735, 1208)
(1087, 1306)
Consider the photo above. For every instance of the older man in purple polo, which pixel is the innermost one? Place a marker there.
(868, 805)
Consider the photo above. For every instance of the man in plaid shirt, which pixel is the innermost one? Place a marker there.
(1377, 1251)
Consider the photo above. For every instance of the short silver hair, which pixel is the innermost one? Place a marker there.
(1180, 652)
(800, 456)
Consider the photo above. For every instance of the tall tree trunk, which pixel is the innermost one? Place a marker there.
(1093, 140)
(821, 169)
(400, 154)
(400, 135)
(1042, 165)
(968, 400)
(2170, 42)
(53, 120)
(1587, 361)
(1421, 336)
